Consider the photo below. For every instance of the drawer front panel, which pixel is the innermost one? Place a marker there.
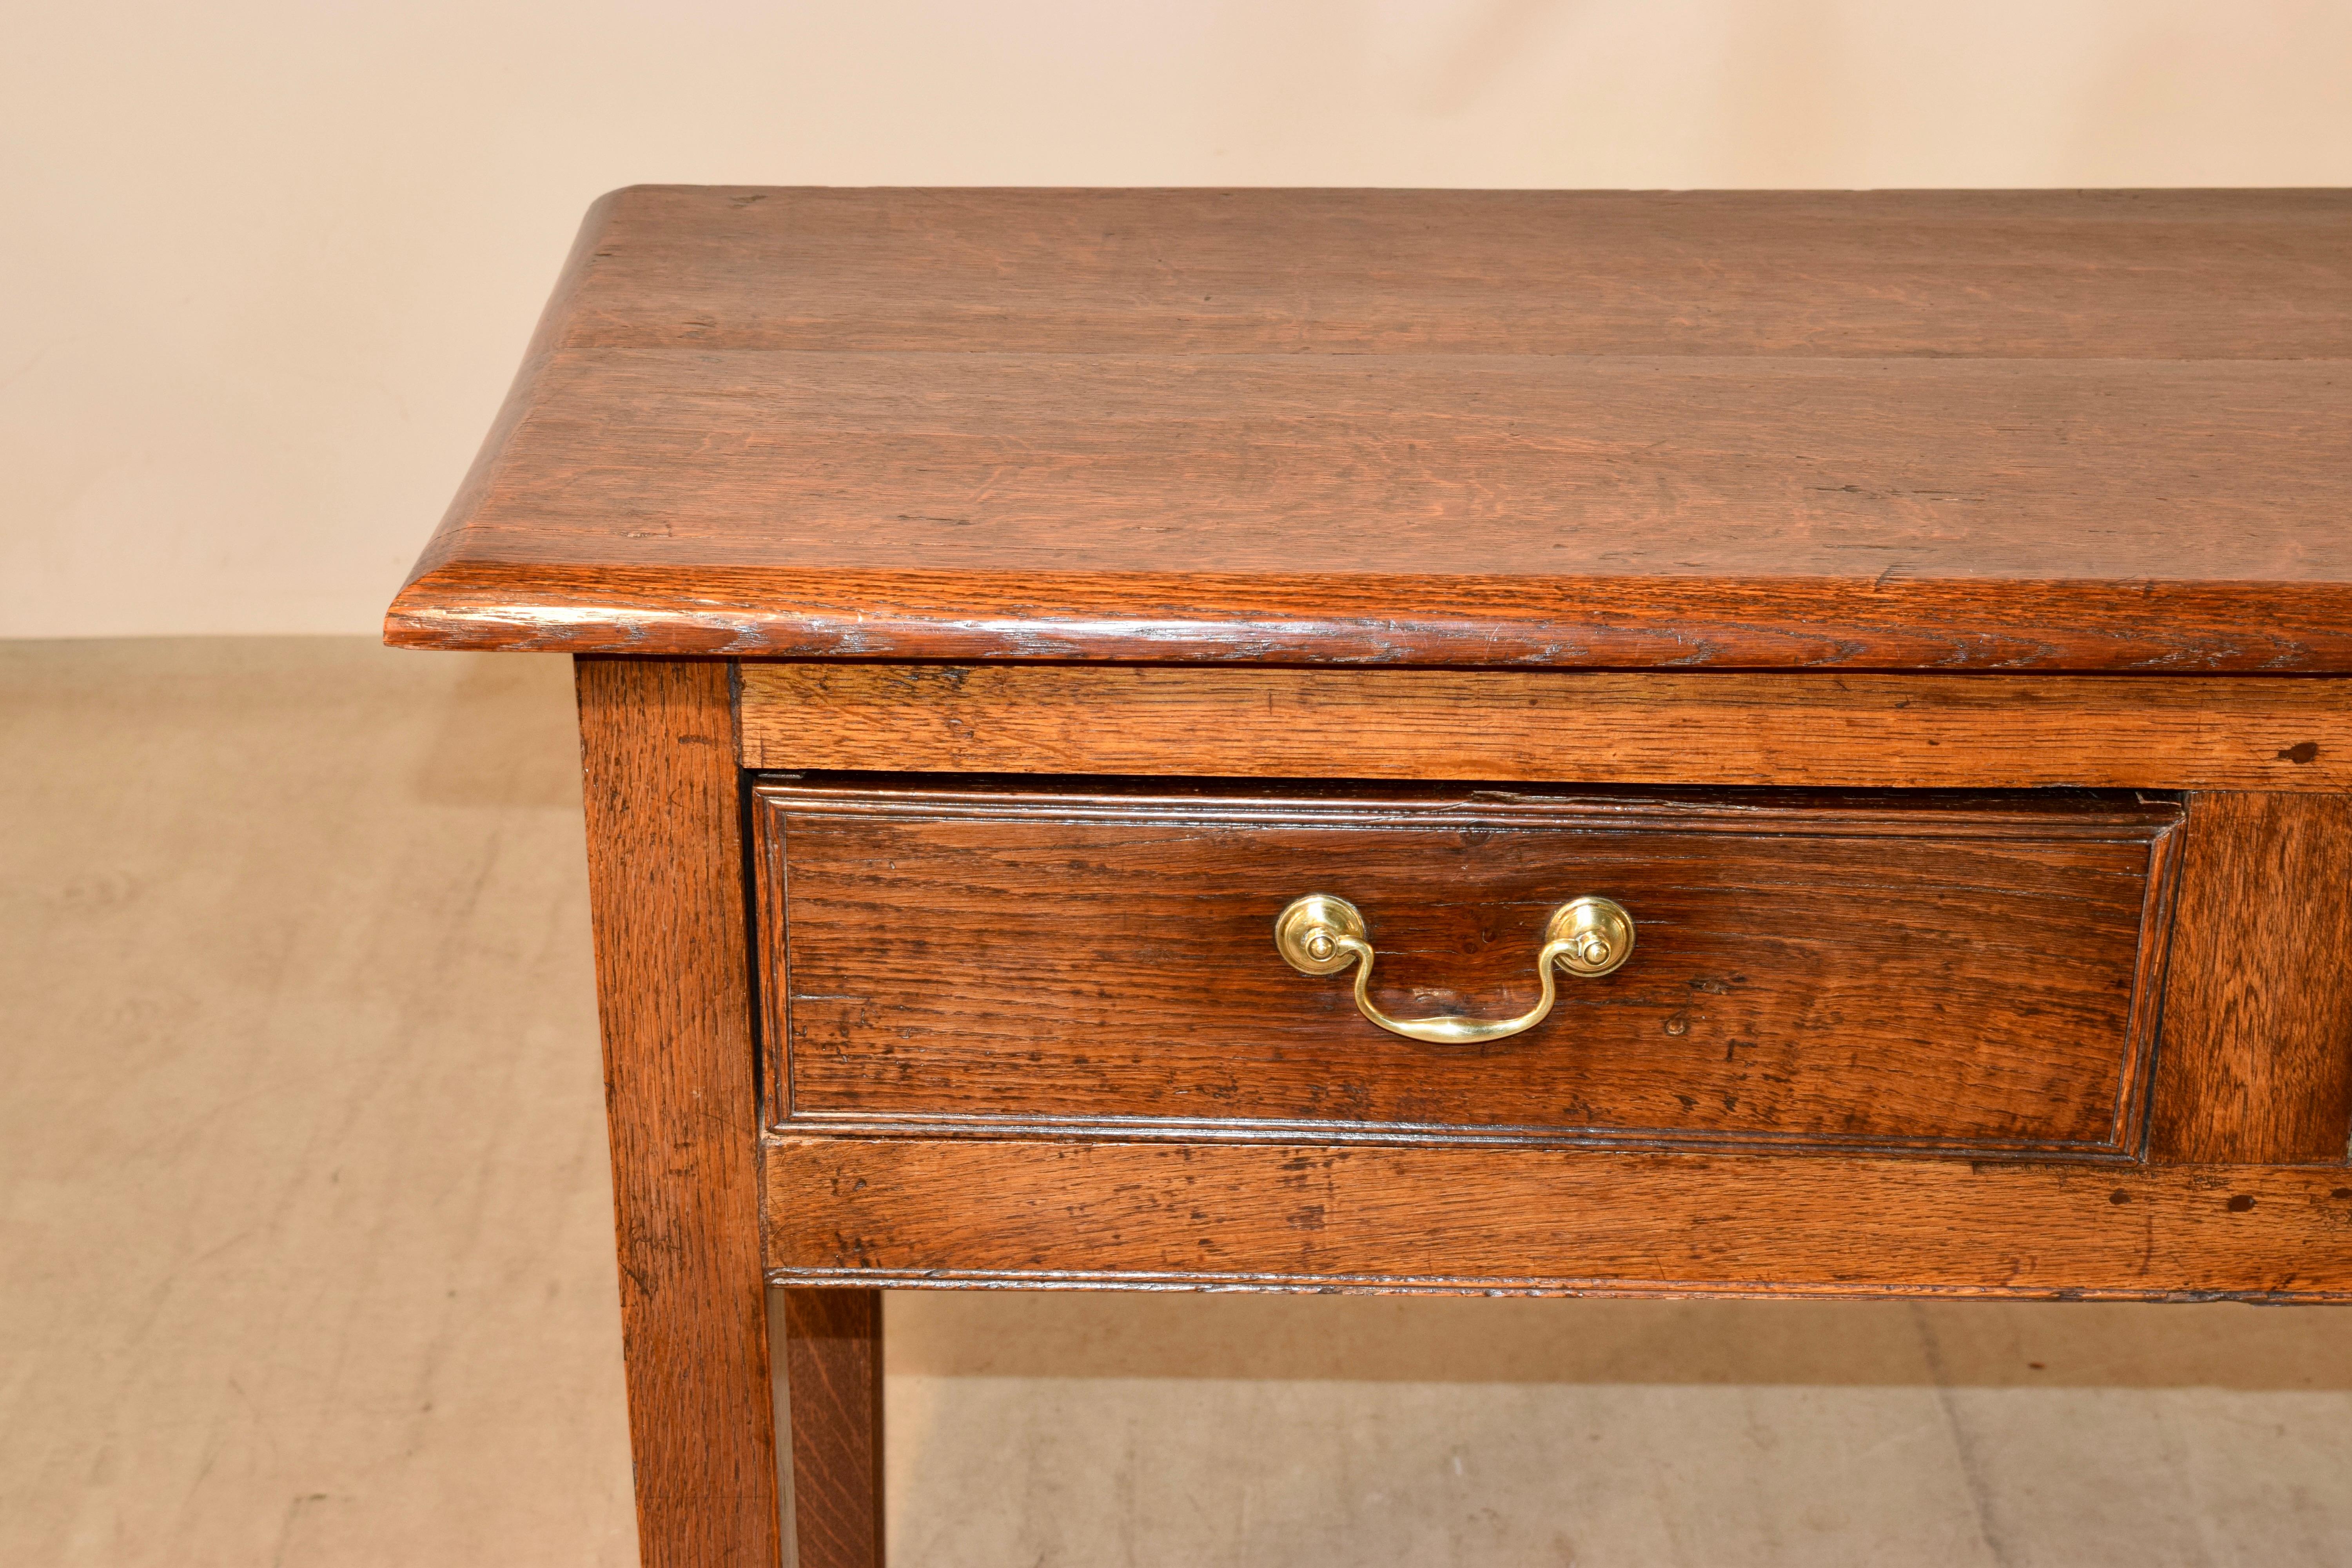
(1968, 975)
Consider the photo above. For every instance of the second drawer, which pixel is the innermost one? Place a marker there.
(1972, 973)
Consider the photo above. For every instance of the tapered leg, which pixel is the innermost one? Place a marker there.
(665, 881)
(833, 1375)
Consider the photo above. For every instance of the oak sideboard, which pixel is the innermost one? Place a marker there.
(1766, 743)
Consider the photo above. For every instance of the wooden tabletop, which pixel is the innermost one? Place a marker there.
(1953, 430)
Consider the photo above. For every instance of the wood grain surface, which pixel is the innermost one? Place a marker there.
(1874, 430)
(1852, 731)
(666, 877)
(957, 1212)
(2257, 1062)
(1883, 274)
(1952, 974)
(833, 1353)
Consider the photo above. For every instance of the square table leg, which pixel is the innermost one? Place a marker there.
(665, 886)
(833, 1366)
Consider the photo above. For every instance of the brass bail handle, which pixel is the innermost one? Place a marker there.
(1322, 934)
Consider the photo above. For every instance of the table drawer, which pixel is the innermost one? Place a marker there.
(1963, 974)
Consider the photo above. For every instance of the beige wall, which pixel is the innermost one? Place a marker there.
(267, 264)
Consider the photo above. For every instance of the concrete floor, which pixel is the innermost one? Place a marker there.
(304, 1247)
